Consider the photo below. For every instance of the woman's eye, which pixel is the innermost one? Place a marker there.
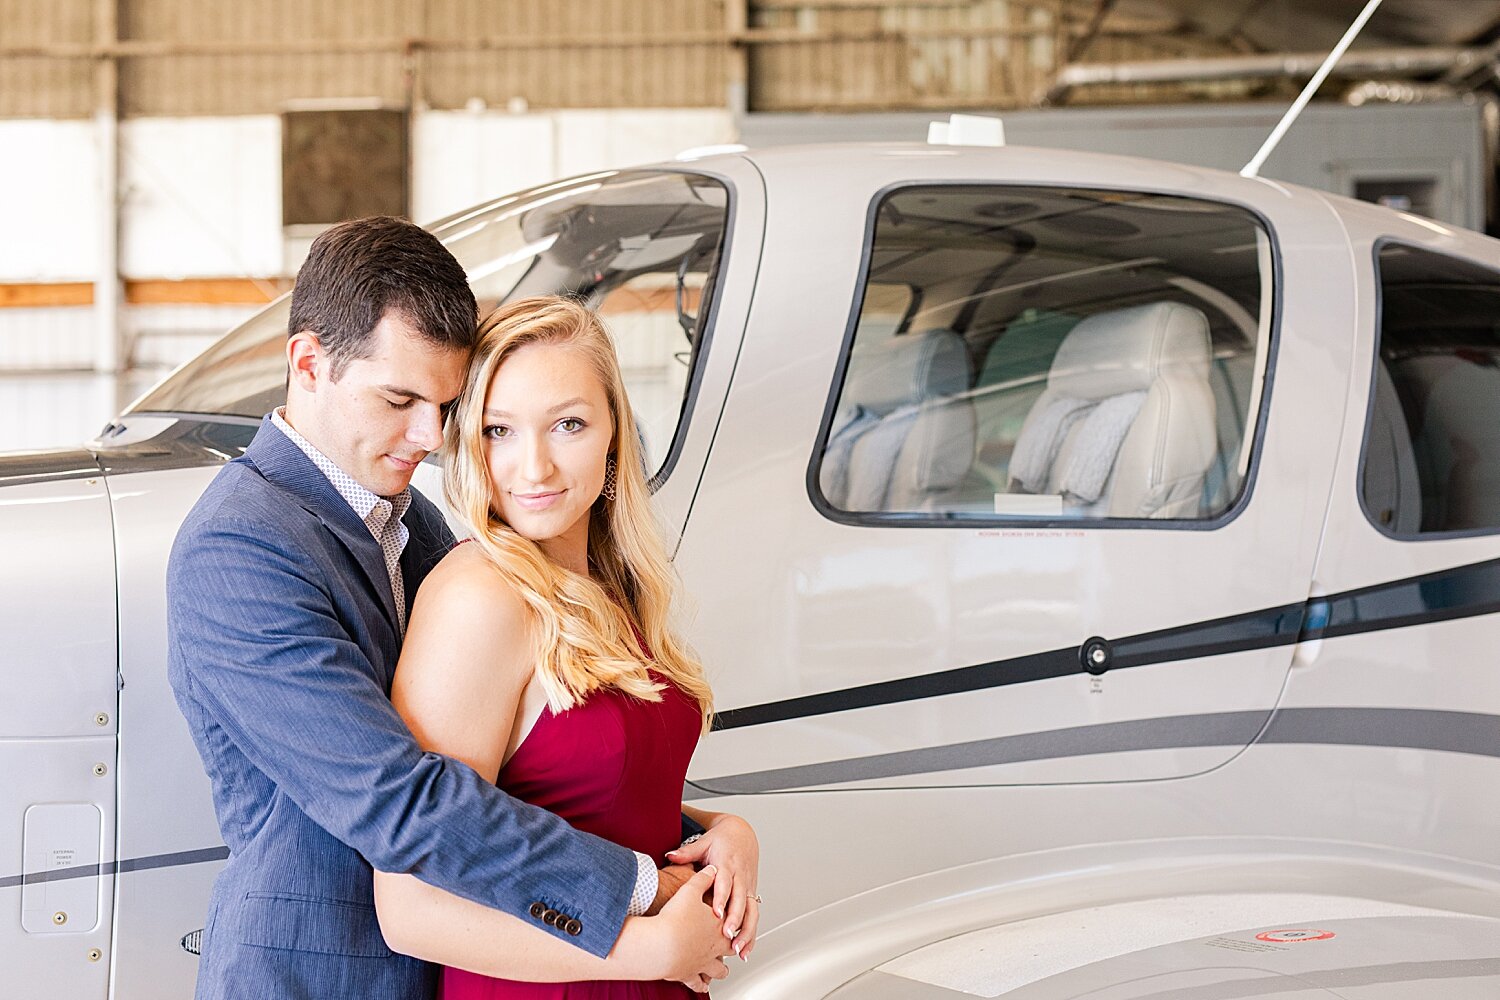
(496, 431)
(570, 425)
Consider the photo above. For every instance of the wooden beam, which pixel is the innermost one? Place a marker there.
(204, 291)
(40, 295)
(141, 49)
(862, 4)
(146, 292)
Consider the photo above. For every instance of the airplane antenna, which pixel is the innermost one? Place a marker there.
(1252, 169)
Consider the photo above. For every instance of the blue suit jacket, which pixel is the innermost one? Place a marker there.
(282, 643)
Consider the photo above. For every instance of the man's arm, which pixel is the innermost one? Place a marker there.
(682, 944)
(256, 641)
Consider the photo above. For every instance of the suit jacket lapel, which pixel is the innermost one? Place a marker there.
(430, 540)
(284, 464)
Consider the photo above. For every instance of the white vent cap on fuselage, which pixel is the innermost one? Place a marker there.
(967, 130)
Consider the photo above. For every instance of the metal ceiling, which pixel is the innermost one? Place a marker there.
(1410, 50)
(1304, 25)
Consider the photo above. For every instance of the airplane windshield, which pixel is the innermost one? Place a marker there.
(642, 247)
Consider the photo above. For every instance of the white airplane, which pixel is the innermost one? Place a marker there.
(1096, 560)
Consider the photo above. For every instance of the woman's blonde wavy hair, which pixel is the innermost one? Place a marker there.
(586, 626)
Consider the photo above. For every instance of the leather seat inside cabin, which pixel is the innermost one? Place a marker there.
(903, 436)
(1127, 426)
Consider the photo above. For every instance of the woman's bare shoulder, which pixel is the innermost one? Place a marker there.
(468, 598)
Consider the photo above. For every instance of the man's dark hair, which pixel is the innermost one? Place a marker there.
(358, 271)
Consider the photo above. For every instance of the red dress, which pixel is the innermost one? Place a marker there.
(613, 766)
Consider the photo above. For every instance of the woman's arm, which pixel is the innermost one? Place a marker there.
(464, 665)
(427, 923)
(729, 844)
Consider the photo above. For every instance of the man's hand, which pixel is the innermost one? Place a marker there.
(690, 944)
(730, 846)
(668, 881)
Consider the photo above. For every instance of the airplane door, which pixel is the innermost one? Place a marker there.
(1017, 483)
(57, 726)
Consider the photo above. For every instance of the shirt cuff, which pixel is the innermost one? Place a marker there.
(646, 883)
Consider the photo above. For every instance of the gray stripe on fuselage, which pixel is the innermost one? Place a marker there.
(174, 860)
(1426, 729)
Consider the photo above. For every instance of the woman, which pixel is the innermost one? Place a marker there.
(540, 654)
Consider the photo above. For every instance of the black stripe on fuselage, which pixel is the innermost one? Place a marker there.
(1460, 592)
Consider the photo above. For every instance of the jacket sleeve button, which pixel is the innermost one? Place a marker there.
(550, 918)
(574, 928)
(537, 909)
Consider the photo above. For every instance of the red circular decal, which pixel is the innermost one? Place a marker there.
(1292, 936)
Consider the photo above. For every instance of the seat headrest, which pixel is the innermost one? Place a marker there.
(906, 369)
(1126, 350)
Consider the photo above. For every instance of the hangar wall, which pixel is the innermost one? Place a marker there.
(181, 57)
(500, 96)
(201, 219)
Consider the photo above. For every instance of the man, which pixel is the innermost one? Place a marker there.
(288, 589)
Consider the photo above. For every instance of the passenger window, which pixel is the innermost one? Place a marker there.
(1432, 450)
(1065, 354)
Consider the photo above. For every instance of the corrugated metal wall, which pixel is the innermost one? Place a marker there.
(53, 85)
(185, 57)
(995, 53)
(247, 58)
(812, 55)
(593, 54)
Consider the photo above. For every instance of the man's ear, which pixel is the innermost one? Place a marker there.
(307, 360)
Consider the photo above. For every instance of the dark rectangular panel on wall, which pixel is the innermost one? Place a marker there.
(338, 165)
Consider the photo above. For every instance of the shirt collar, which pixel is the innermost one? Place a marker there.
(364, 502)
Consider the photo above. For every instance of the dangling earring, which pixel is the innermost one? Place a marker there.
(609, 491)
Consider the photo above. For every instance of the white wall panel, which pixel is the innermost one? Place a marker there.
(202, 197)
(161, 337)
(49, 411)
(463, 157)
(49, 201)
(47, 338)
(598, 140)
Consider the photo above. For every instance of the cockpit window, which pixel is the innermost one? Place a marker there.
(1070, 355)
(1431, 462)
(642, 247)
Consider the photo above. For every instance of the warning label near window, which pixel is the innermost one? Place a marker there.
(1236, 944)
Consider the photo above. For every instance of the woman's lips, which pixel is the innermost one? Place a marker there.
(537, 501)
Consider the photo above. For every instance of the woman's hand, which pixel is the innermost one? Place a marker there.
(729, 845)
(683, 944)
